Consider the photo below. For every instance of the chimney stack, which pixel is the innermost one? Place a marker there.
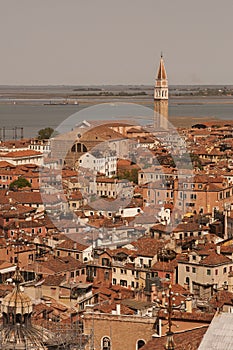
(189, 303)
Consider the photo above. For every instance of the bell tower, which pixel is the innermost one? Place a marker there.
(161, 97)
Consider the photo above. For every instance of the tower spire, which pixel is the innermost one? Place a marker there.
(161, 96)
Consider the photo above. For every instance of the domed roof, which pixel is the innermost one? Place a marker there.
(17, 302)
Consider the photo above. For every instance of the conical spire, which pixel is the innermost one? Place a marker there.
(161, 74)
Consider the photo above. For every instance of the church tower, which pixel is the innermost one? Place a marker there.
(161, 97)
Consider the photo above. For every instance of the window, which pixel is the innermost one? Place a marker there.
(216, 272)
(194, 270)
(187, 268)
(106, 343)
(132, 284)
(224, 270)
(113, 281)
(208, 272)
(72, 274)
(123, 283)
(167, 276)
(194, 257)
(105, 262)
(140, 344)
(106, 275)
(83, 271)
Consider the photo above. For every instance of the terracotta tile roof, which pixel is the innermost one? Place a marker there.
(214, 259)
(100, 133)
(40, 308)
(147, 246)
(187, 227)
(226, 249)
(53, 280)
(168, 266)
(108, 308)
(220, 298)
(5, 289)
(5, 264)
(70, 244)
(184, 340)
(118, 251)
(25, 197)
(15, 211)
(20, 154)
(61, 264)
(4, 164)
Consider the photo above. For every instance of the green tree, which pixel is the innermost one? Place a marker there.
(45, 133)
(21, 182)
(131, 175)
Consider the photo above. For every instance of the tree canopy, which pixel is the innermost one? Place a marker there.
(21, 182)
(45, 133)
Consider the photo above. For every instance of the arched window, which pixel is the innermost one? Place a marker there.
(140, 344)
(79, 147)
(106, 343)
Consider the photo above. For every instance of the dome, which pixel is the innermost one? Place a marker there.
(17, 302)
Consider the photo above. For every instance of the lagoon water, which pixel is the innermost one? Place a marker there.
(33, 117)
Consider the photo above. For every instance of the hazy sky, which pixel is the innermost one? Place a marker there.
(115, 41)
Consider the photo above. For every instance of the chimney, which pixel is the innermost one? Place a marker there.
(163, 298)
(118, 309)
(189, 303)
(153, 288)
(218, 249)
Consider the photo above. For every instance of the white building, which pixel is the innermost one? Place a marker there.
(103, 163)
(22, 157)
